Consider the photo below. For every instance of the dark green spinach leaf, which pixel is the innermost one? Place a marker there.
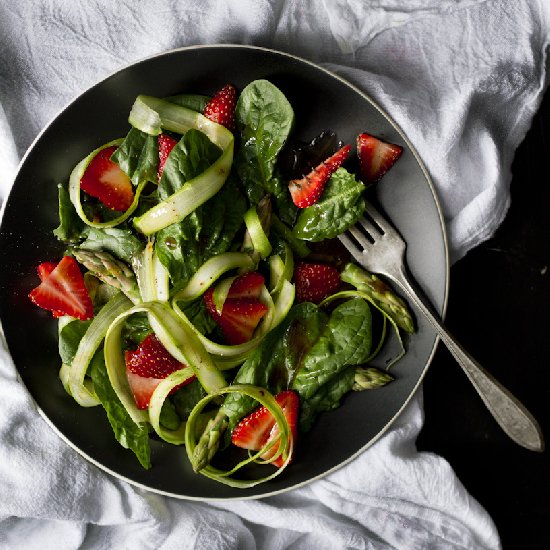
(191, 156)
(326, 398)
(138, 156)
(346, 340)
(122, 243)
(340, 206)
(70, 225)
(265, 119)
(69, 339)
(127, 432)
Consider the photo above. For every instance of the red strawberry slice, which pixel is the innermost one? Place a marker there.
(376, 157)
(314, 282)
(307, 190)
(166, 144)
(104, 180)
(147, 366)
(63, 291)
(44, 269)
(239, 316)
(248, 285)
(221, 108)
(259, 427)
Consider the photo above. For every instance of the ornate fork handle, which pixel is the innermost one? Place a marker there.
(511, 415)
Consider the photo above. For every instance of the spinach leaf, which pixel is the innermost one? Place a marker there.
(187, 397)
(136, 328)
(346, 340)
(326, 398)
(191, 156)
(340, 206)
(265, 118)
(183, 247)
(122, 243)
(138, 156)
(196, 312)
(179, 254)
(69, 339)
(274, 362)
(169, 418)
(224, 212)
(70, 225)
(127, 432)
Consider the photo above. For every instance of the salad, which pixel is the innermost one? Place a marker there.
(202, 298)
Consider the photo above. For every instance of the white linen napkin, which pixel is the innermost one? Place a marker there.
(462, 78)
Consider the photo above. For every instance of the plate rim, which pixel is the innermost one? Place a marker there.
(443, 231)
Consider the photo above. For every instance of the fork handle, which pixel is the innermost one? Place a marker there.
(516, 421)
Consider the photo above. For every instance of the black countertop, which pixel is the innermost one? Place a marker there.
(499, 309)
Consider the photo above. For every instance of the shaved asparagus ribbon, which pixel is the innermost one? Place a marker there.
(175, 336)
(74, 190)
(152, 115)
(233, 355)
(211, 271)
(259, 239)
(89, 344)
(285, 438)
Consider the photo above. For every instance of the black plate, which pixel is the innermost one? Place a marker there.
(320, 100)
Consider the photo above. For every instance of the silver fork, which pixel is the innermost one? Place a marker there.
(379, 248)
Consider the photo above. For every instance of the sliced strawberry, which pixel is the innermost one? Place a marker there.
(248, 285)
(221, 108)
(44, 269)
(142, 388)
(314, 281)
(376, 157)
(63, 291)
(307, 190)
(166, 144)
(239, 316)
(259, 427)
(147, 366)
(151, 359)
(104, 180)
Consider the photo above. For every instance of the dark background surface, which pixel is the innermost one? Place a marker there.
(499, 309)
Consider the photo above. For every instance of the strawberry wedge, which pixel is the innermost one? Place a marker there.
(43, 270)
(147, 366)
(221, 108)
(248, 285)
(63, 291)
(239, 317)
(315, 281)
(104, 180)
(166, 144)
(376, 157)
(259, 428)
(308, 190)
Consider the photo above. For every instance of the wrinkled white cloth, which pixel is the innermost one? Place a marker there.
(461, 77)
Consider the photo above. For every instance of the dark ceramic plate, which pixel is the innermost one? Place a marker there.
(320, 100)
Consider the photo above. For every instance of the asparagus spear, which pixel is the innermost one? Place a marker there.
(380, 293)
(209, 441)
(368, 378)
(110, 270)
